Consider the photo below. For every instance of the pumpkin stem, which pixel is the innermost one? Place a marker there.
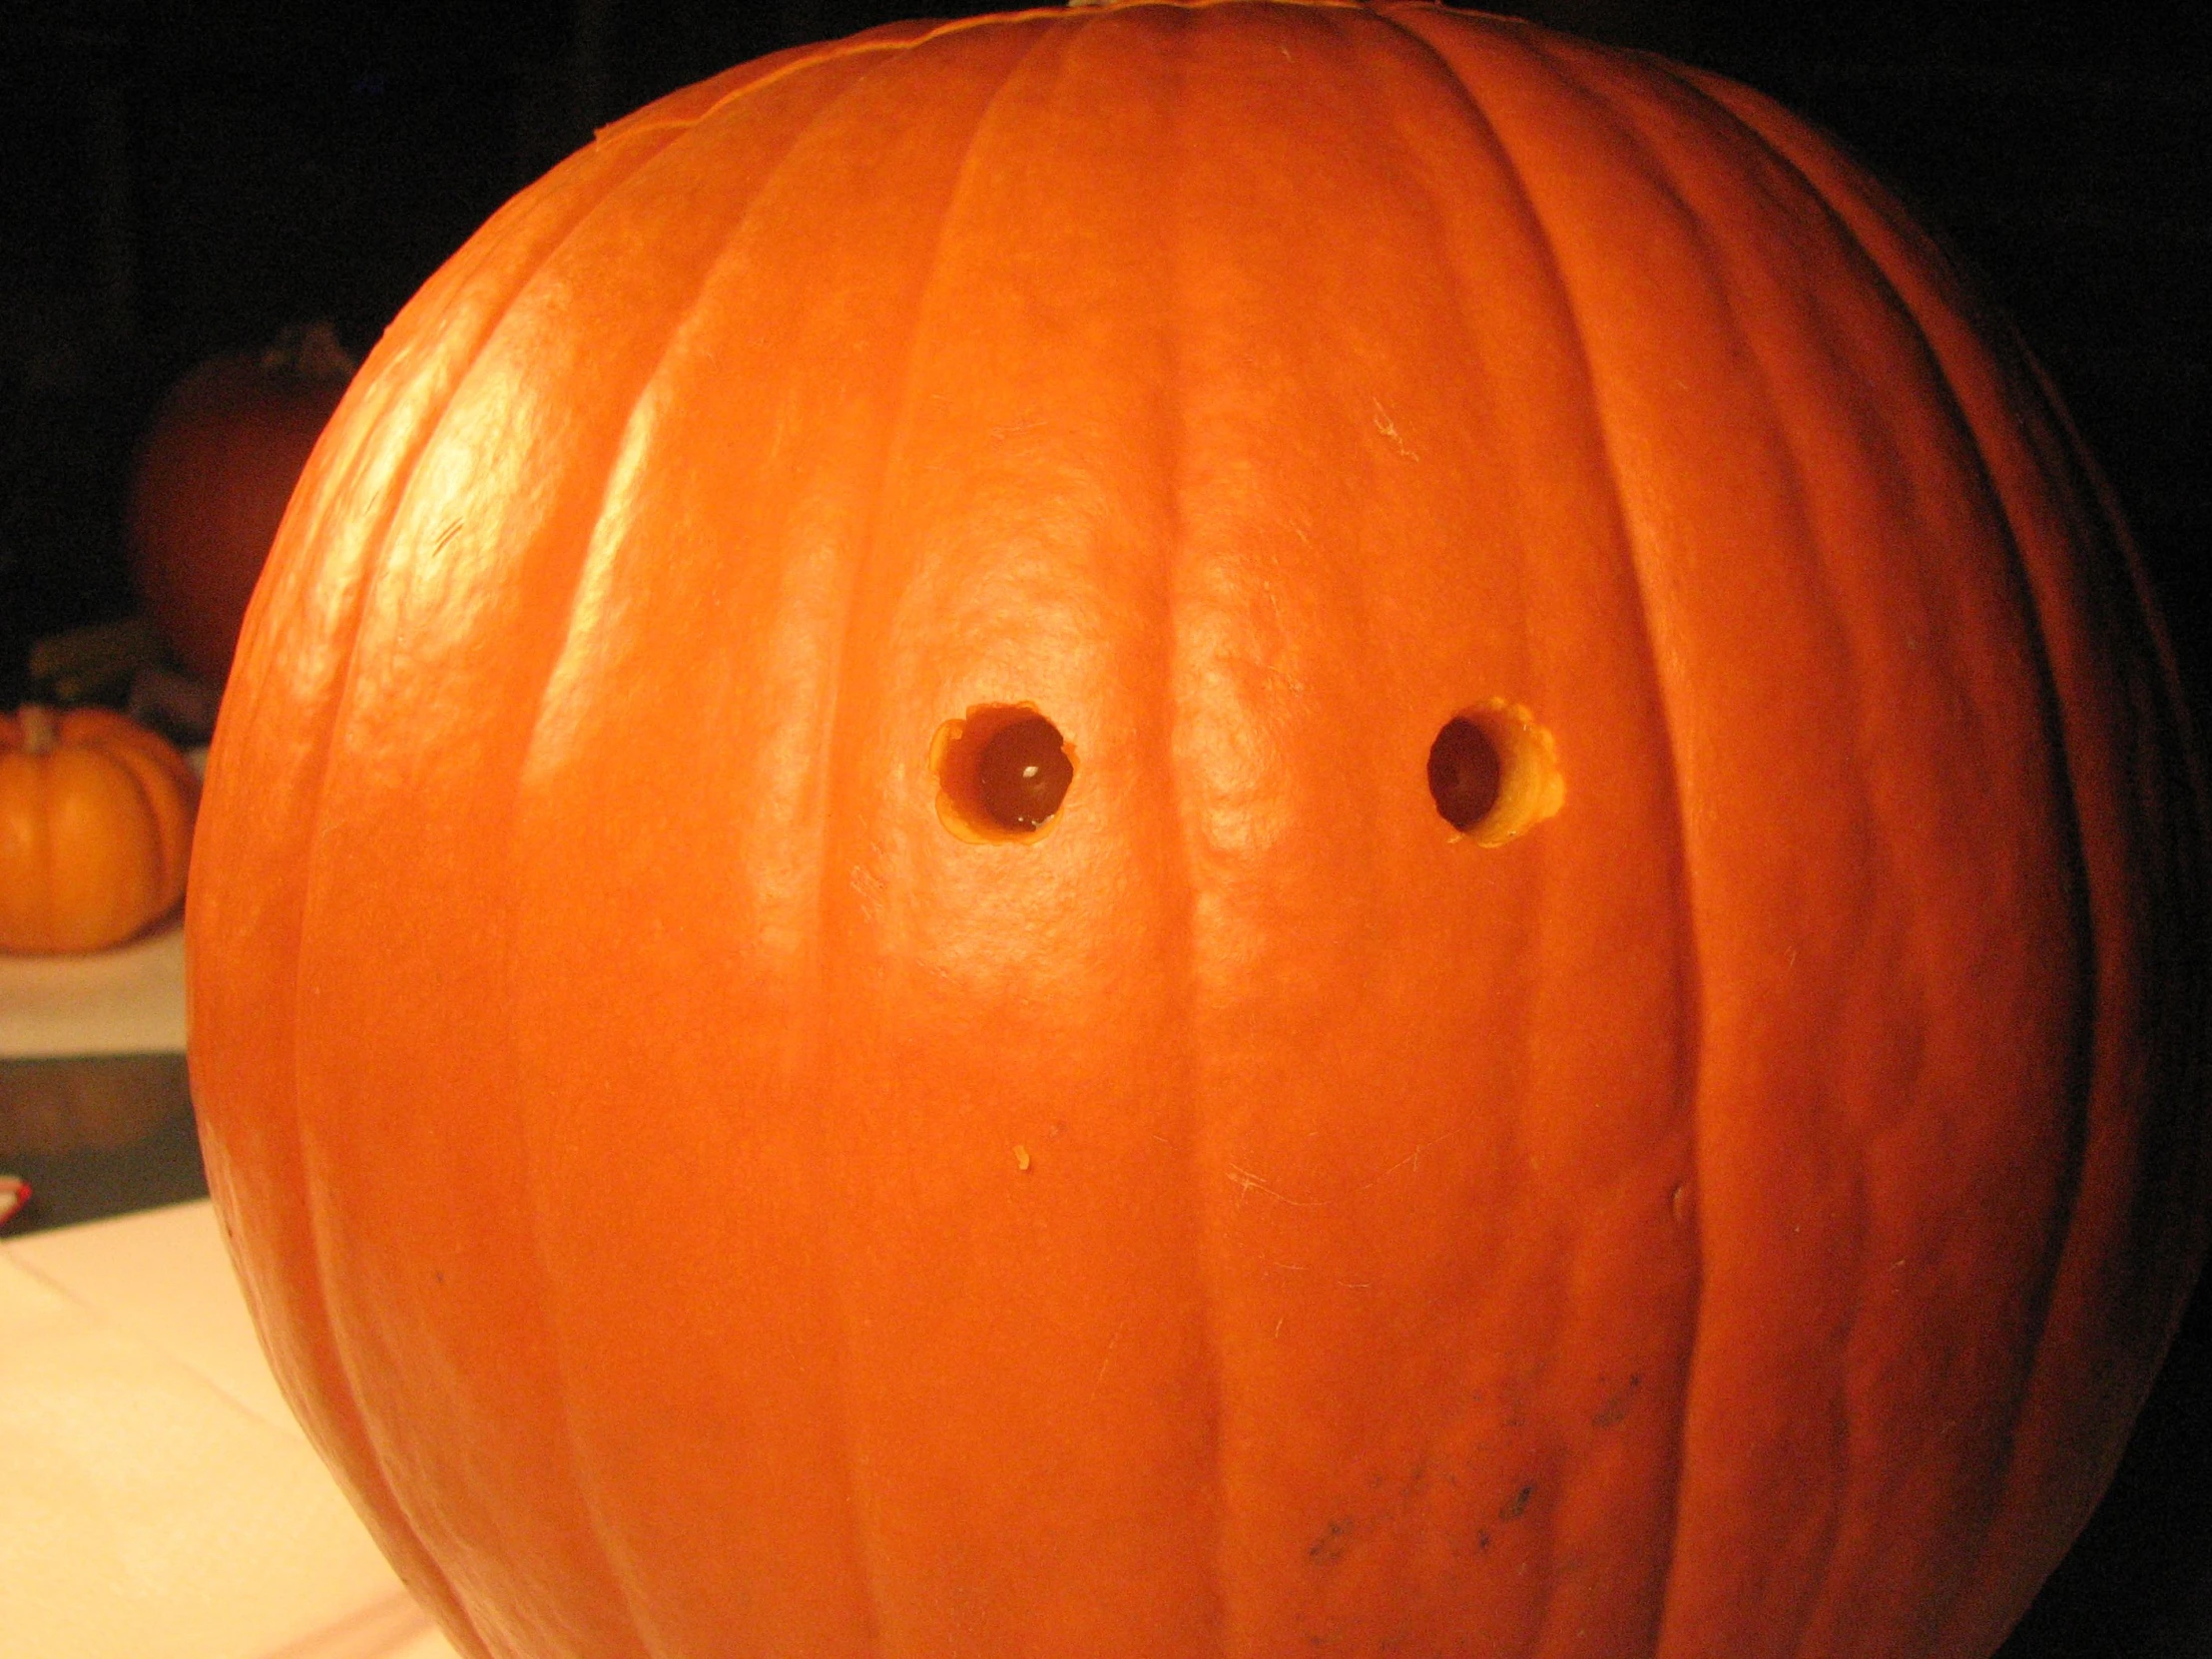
(40, 732)
(310, 352)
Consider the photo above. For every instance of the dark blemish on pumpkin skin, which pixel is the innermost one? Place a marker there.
(1516, 1505)
(1616, 1409)
(1332, 1544)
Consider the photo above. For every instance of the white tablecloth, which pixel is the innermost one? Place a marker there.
(129, 1000)
(160, 1500)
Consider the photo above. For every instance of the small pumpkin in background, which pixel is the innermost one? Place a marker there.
(95, 816)
(212, 482)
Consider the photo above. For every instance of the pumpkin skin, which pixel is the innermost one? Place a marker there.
(95, 816)
(212, 475)
(703, 1206)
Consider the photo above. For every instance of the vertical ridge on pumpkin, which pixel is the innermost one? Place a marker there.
(1616, 113)
(1233, 659)
(895, 1628)
(1166, 754)
(2047, 492)
(683, 560)
(1673, 139)
(426, 555)
(1862, 219)
(1468, 64)
(1009, 511)
(1522, 123)
(238, 1112)
(886, 1123)
(578, 668)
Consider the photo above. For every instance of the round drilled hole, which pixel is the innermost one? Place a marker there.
(1464, 771)
(1494, 772)
(1023, 775)
(1002, 773)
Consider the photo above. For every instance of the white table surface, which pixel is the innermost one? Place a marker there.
(129, 1000)
(161, 1500)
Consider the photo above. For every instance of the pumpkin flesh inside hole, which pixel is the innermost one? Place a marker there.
(1494, 772)
(1002, 773)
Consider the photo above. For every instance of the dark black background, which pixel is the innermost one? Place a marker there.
(178, 177)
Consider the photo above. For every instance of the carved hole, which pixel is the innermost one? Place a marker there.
(1494, 772)
(1002, 773)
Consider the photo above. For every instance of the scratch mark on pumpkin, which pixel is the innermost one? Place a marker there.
(1412, 1159)
(1106, 1359)
(1388, 428)
(1249, 1183)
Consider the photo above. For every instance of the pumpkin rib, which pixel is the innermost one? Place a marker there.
(899, 37)
(368, 1463)
(606, 557)
(1821, 1581)
(588, 1524)
(545, 1201)
(537, 1195)
(837, 744)
(1218, 1406)
(1172, 445)
(1569, 308)
(1421, 162)
(166, 816)
(1649, 154)
(167, 792)
(1855, 207)
(1617, 114)
(1911, 333)
(2060, 465)
(1174, 581)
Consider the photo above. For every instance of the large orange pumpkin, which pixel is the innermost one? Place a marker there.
(209, 488)
(1206, 829)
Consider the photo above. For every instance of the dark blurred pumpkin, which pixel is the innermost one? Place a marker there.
(213, 474)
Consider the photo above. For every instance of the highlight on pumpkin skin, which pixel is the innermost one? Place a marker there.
(1002, 773)
(1494, 772)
